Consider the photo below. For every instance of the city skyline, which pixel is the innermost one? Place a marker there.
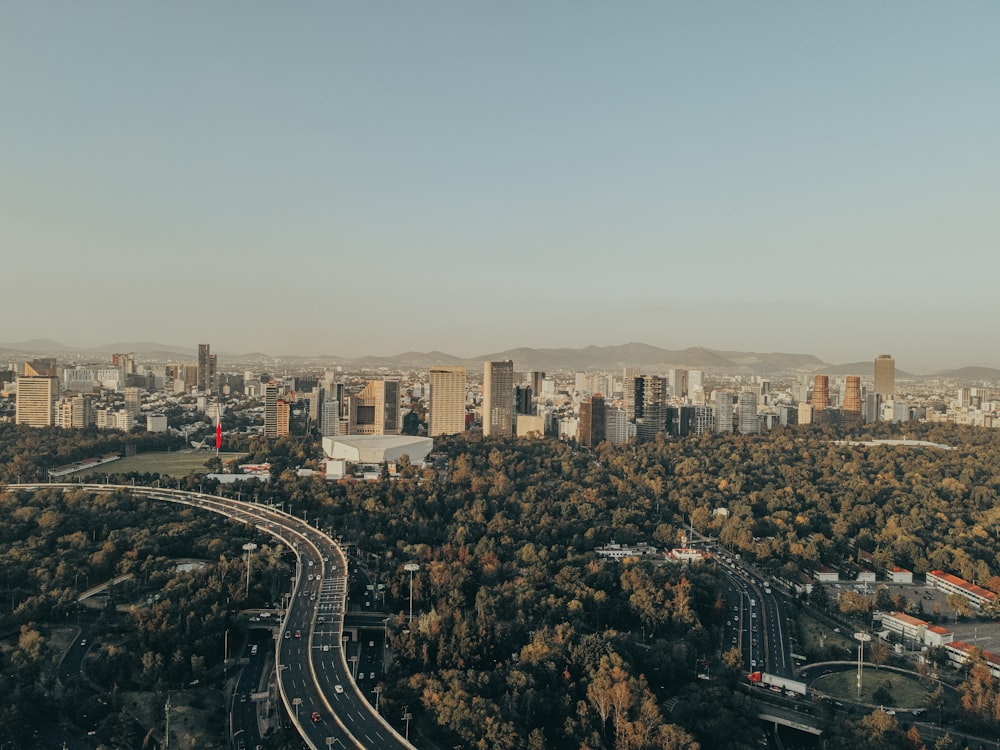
(762, 178)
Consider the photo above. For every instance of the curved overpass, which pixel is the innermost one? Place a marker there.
(312, 671)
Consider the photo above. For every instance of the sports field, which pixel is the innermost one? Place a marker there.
(171, 464)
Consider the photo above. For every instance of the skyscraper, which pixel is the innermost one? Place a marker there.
(206, 369)
(723, 411)
(498, 398)
(821, 396)
(133, 402)
(271, 409)
(852, 399)
(885, 376)
(375, 410)
(747, 412)
(446, 410)
(678, 383)
(591, 429)
(36, 399)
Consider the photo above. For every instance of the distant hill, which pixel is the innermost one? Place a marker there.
(970, 374)
(645, 357)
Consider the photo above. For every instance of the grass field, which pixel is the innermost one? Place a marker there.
(172, 464)
(905, 690)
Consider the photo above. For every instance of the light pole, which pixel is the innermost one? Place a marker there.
(296, 702)
(863, 638)
(354, 663)
(249, 547)
(406, 717)
(411, 568)
(378, 692)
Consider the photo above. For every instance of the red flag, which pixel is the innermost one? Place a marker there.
(218, 435)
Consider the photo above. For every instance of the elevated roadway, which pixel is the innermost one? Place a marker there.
(313, 674)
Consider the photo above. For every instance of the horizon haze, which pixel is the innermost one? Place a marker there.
(352, 179)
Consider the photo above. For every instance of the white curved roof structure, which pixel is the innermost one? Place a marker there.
(377, 449)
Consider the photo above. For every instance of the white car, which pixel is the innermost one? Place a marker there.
(338, 688)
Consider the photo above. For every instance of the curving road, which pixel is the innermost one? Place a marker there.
(313, 672)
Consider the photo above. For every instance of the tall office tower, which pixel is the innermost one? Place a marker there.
(133, 403)
(631, 386)
(446, 410)
(820, 397)
(678, 383)
(283, 418)
(747, 411)
(535, 378)
(885, 376)
(271, 409)
(329, 424)
(723, 411)
(81, 412)
(964, 400)
(375, 410)
(523, 400)
(682, 421)
(591, 429)
(805, 415)
(36, 400)
(498, 398)
(765, 386)
(852, 399)
(696, 381)
(581, 382)
(616, 425)
(703, 420)
(206, 369)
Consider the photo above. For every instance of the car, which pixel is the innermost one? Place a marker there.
(315, 716)
(804, 675)
(827, 671)
(253, 650)
(326, 646)
(243, 698)
(298, 633)
(338, 689)
(889, 712)
(919, 711)
(371, 675)
(288, 635)
(321, 619)
(371, 644)
(83, 642)
(310, 576)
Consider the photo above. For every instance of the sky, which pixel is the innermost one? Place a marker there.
(353, 178)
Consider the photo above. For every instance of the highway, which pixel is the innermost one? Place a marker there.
(313, 674)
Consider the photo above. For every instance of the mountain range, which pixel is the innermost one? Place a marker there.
(645, 357)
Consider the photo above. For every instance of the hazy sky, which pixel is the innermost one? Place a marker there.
(368, 178)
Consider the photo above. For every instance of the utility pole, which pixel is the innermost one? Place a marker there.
(249, 547)
(411, 568)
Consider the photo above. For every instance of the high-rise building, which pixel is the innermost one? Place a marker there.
(723, 411)
(617, 428)
(523, 400)
(36, 400)
(748, 423)
(820, 396)
(696, 381)
(75, 412)
(206, 369)
(446, 408)
(498, 398)
(591, 429)
(283, 418)
(678, 383)
(535, 379)
(632, 387)
(133, 402)
(271, 409)
(375, 410)
(885, 376)
(852, 399)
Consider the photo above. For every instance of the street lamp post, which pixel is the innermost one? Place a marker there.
(862, 638)
(411, 568)
(296, 702)
(249, 547)
(406, 717)
(378, 692)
